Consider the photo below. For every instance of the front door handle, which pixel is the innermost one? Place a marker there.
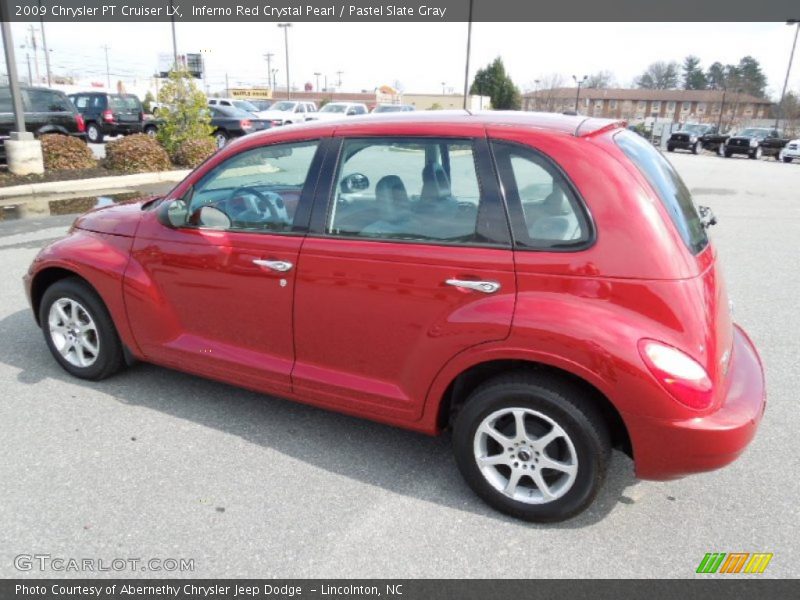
(486, 287)
(276, 265)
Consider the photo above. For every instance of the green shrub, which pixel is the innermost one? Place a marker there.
(184, 110)
(191, 153)
(136, 154)
(65, 152)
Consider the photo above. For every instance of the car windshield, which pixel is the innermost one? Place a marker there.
(669, 187)
(695, 128)
(123, 102)
(334, 108)
(389, 108)
(245, 105)
(283, 106)
(754, 132)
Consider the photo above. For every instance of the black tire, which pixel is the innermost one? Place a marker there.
(696, 148)
(728, 153)
(220, 138)
(151, 131)
(110, 356)
(787, 159)
(567, 405)
(670, 148)
(756, 154)
(94, 133)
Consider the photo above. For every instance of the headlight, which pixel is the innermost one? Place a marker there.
(753, 143)
(693, 138)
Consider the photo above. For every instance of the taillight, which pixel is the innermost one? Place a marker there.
(681, 375)
(108, 115)
(245, 123)
(80, 123)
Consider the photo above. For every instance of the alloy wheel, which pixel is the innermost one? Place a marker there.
(525, 455)
(73, 332)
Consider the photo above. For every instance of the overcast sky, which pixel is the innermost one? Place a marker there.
(421, 56)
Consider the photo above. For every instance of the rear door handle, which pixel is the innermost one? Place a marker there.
(276, 265)
(486, 287)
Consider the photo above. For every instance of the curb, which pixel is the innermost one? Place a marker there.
(94, 183)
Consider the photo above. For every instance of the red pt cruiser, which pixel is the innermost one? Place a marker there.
(540, 285)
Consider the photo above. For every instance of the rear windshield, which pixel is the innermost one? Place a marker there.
(669, 186)
(129, 103)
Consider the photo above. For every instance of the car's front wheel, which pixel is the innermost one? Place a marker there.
(532, 446)
(220, 138)
(757, 153)
(670, 148)
(787, 159)
(79, 331)
(697, 147)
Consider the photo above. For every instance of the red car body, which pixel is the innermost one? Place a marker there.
(367, 328)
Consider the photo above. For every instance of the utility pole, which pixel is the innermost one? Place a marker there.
(28, 60)
(108, 70)
(268, 56)
(316, 75)
(44, 46)
(788, 70)
(174, 38)
(203, 53)
(339, 75)
(35, 52)
(469, 42)
(274, 80)
(580, 82)
(326, 83)
(721, 110)
(285, 27)
(227, 87)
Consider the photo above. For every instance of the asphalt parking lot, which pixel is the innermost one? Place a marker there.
(155, 463)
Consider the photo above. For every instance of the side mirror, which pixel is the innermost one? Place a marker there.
(208, 216)
(173, 213)
(355, 182)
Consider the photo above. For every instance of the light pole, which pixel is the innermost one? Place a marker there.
(108, 71)
(44, 46)
(285, 27)
(795, 22)
(469, 43)
(268, 56)
(174, 38)
(721, 109)
(443, 88)
(580, 82)
(274, 80)
(339, 75)
(203, 53)
(536, 94)
(317, 77)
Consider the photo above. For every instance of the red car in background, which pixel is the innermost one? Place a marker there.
(541, 285)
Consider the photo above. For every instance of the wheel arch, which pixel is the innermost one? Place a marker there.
(467, 380)
(47, 277)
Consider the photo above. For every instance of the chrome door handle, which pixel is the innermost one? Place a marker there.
(486, 287)
(275, 265)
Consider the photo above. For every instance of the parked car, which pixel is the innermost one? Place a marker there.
(46, 111)
(755, 142)
(460, 272)
(389, 108)
(339, 110)
(109, 114)
(227, 123)
(286, 112)
(230, 122)
(245, 105)
(694, 137)
(790, 151)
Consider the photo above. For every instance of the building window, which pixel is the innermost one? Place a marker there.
(701, 107)
(612, 104)
(671, 106)
(655, 106)
(686, 106)
(641, 105)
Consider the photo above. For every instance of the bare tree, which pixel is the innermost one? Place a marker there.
(659, 76)
(601, 80)
(546, 90)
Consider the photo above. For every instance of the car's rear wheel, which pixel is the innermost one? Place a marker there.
(532, 446)
(757, 153)
(787, 159)
(727, 153)
(670, 148)
(79, 331)
(696, 148)
(220, 138)
(93, 133)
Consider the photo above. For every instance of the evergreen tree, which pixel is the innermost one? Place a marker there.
(493, 81)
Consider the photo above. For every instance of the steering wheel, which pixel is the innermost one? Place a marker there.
(261, 206)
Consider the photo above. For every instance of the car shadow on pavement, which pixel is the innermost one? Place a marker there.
(394, 459)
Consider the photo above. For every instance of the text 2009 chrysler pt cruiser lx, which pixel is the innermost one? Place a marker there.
(542, 285)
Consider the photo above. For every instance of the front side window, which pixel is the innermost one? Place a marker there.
(669, 187)
(546, 213)
(423, 190)
(259, 189)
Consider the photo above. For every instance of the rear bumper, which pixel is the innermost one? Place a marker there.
(122, 128)
(681, 144)
(666, 449)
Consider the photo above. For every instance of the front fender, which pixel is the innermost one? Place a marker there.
(98, 258)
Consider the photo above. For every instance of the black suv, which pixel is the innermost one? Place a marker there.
(756, 142)
(46, 111)
(692, 137)
(109, 114)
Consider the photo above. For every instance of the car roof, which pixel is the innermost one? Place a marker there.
(574, 125)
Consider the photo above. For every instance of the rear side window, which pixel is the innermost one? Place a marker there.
(670, 188)
(545, 211)
(46, 101)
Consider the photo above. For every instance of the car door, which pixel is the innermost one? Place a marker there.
(407, 264)
(216, 297)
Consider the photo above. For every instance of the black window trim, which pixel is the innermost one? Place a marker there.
(491, 198)
(516, 217)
